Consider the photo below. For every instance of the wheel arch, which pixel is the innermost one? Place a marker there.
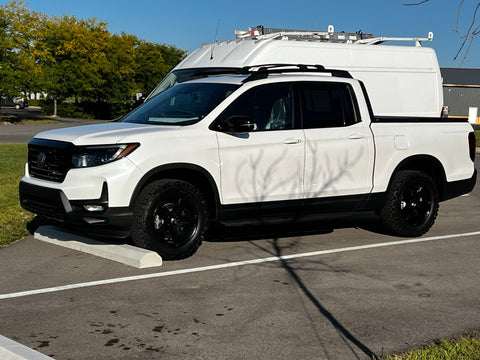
(427, 164)
(193, 174)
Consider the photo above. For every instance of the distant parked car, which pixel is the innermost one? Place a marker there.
(16, 102)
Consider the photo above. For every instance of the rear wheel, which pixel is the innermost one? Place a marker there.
(412, 204)
(170, 217)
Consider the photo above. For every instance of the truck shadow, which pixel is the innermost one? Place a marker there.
(347, 336)
(310, 227)
(268, 229)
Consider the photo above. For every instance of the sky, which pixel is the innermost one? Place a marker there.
(187, 24)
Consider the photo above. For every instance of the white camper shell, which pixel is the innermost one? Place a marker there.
(401, 80)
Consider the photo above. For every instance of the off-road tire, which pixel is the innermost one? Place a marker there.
(411, 206)
(170, 217)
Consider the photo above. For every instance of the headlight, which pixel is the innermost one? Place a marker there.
(87, 156)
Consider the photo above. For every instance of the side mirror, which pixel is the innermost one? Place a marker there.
(240, 124)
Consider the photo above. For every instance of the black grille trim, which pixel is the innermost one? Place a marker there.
(49, 160)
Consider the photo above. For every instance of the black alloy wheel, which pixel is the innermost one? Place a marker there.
(170, 217)
(411, 205)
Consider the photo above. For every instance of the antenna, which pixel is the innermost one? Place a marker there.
(215, 40)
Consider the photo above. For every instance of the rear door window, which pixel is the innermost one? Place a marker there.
(327, 104)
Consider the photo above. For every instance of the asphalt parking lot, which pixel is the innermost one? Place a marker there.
(320, 290)
(349, 293)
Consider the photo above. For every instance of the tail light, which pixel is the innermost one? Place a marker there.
(444, 111)
(473, 145)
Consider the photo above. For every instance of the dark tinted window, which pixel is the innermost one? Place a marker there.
(269, 106)
(326, 104)
(182, 104)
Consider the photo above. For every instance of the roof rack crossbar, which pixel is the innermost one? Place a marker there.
(262, 71)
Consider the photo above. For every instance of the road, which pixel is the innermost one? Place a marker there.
(348, 292)
(21, 134)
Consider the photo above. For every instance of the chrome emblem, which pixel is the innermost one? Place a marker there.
(41, 160)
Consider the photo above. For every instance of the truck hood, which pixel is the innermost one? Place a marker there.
(98, 134)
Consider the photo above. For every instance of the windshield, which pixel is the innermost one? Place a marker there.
(179, 76)
(182, 104)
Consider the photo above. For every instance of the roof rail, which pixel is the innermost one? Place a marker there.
(260, 32)
(258, 72)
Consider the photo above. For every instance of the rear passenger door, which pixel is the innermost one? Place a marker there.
(338, 145)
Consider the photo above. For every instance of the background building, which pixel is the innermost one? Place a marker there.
(461, 90)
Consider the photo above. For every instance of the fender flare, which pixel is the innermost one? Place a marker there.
(194, 174)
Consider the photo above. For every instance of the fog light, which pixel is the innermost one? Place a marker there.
(94, 208)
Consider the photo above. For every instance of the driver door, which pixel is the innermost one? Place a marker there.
(266, 164)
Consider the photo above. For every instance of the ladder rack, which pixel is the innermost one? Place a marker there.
(260, 32)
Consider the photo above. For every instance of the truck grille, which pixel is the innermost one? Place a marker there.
(49, 160)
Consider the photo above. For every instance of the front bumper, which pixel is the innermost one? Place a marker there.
(112, 222)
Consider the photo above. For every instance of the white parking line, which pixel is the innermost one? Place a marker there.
(230, 265)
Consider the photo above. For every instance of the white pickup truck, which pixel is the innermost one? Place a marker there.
(276, 142)
(260, 143)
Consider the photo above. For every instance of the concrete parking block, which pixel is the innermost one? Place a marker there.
(11, 350)
(123, 253)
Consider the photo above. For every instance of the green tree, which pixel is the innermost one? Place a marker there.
(19, 29)
(77, 60)
(72, 53)
(153, 62)
(3, 50)
(117, 74)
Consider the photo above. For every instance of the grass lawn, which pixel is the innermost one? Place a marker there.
(465, 348)
(13, 218)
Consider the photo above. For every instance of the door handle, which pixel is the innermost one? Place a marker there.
(356, 136)
(292, 141)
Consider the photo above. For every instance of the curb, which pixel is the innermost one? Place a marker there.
(125, 254)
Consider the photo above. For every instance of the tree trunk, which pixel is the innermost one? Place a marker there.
(55, 107)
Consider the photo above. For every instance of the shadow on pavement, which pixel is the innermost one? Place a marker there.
(247, 232)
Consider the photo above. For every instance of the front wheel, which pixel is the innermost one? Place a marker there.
(412, 204)
(170, 217)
